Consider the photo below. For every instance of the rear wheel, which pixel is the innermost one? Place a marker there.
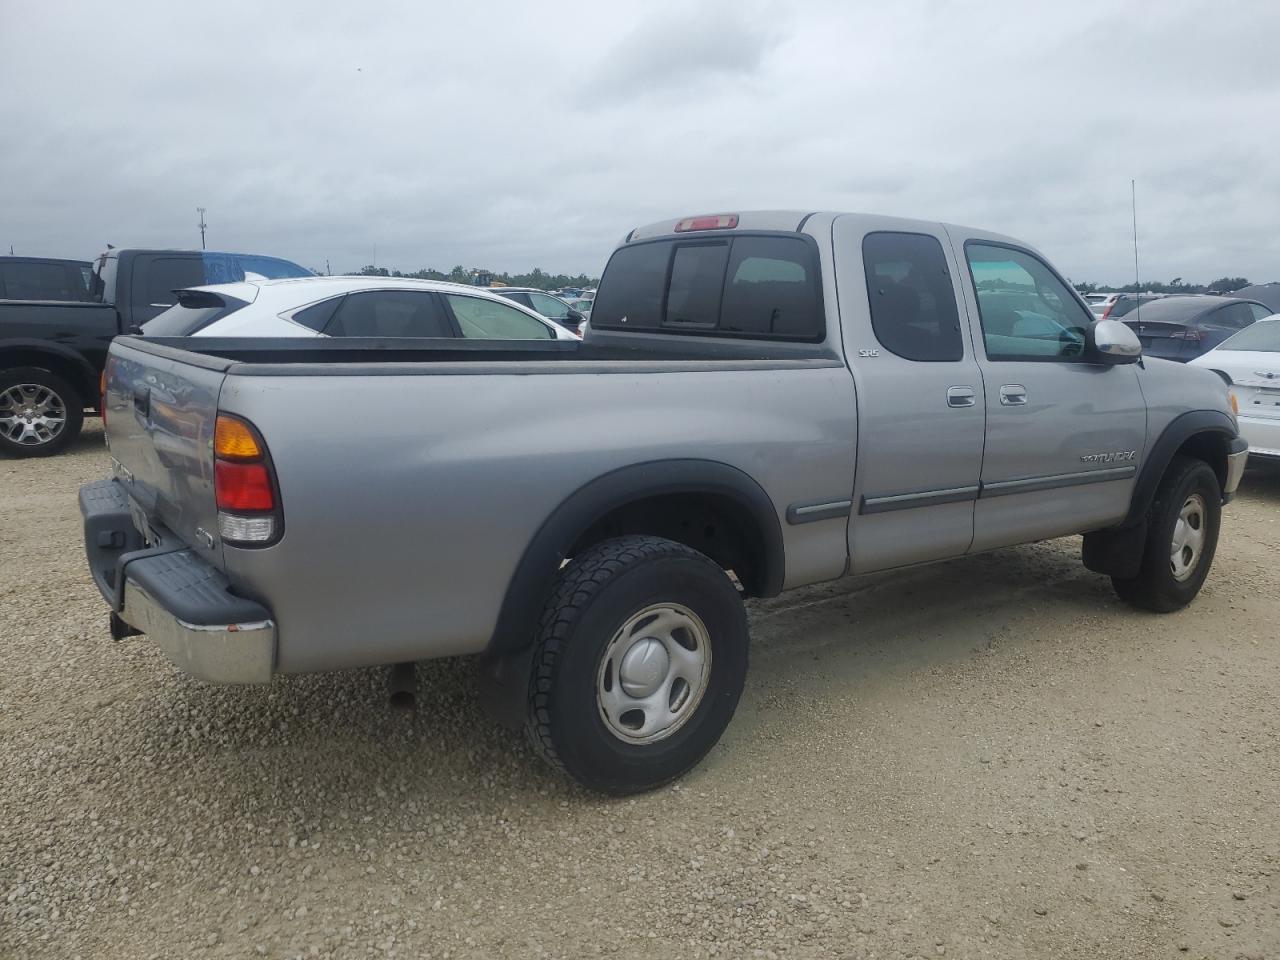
(640, 660)
(40, 413)
(1182, 536)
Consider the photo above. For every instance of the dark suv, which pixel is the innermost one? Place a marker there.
(1182, 328)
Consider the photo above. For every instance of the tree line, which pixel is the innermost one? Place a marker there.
(1176, 285)
(480, 277)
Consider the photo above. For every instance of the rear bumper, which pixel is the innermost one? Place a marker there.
(173, 596)
(1263, 436)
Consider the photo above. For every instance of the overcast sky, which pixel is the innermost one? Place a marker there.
(537, 134)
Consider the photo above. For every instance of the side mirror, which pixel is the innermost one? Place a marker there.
(1112, 342)
(575, 316)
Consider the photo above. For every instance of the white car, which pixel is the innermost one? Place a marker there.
(350, 307)
(1250, 364)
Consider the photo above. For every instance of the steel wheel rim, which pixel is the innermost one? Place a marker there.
(653, 673)
(31, 414)
(1188, 538)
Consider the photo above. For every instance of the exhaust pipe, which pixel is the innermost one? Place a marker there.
(402, 686)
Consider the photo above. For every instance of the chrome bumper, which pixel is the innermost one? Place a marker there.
(1235, 465)
(219, 653)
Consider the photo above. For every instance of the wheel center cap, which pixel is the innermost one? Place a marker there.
(644, 667)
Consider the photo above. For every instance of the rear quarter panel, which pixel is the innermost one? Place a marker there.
(409, 499)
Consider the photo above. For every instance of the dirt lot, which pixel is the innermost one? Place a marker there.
(991, 758)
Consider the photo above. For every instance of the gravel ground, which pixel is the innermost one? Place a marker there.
(991, 758)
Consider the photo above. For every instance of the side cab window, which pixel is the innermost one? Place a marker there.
(913, 303)
(1027, 312)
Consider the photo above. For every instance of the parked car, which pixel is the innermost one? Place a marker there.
(350, 307)
(1182, 328)
(52, 351)
(544, 304)
(791, 397)
(42, 278)
(1099, 301)
(1265, 293)
(1119, 305)
(1249, 362)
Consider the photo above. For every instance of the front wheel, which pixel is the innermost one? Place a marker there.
(1182, 536)
(40, 413)
(639, 663)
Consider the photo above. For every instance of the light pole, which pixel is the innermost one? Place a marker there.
(200, 210)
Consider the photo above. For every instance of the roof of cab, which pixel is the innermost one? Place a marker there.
(793, 220)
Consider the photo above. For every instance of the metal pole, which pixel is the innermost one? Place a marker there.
(200, 210)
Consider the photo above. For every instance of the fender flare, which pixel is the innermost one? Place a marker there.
(84, 368)
(1117, 551)
(530, 585)
(1179, 431)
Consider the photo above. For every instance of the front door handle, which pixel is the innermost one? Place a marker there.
(961, 397)
(1013, 395)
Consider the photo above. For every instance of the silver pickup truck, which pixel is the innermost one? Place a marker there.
(762, 401)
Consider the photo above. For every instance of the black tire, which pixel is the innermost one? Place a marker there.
(593, 598)
(72, 407)
(1156, 588)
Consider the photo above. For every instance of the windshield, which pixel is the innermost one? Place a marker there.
(1263, 336)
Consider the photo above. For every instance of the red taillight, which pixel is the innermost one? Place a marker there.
(242, 486)
(719, 221)
(102, 397)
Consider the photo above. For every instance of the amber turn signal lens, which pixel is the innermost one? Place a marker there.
(1235, 404)
(234, 440)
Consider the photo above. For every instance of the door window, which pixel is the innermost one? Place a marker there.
(1234, 316)
(490, 320)
(1259, 311)
(550, 307)
(389, 313)
(167, 274)
(913, 304)
(1027, 312)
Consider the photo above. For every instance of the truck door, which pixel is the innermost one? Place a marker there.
(1064, 436)
(919, 393)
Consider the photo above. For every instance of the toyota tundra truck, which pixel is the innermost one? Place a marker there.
(761, 401)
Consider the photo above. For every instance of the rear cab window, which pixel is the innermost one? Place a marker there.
(753, 286)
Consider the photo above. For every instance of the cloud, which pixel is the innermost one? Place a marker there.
(683, 51)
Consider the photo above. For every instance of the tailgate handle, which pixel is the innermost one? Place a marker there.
(142, 400)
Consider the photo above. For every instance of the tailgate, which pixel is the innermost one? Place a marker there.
(161, 405)
(1167, 340)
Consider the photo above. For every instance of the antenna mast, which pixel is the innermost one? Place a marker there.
(1137, 284)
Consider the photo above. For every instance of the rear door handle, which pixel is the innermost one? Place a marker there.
(961, 397)
(1013, 395)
